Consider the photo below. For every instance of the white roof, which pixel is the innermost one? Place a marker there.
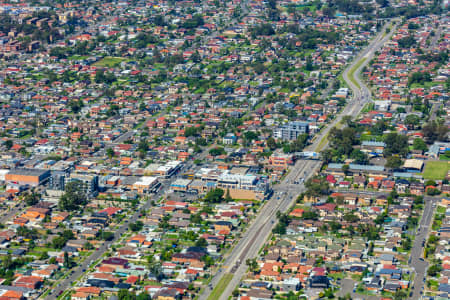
(146, 180)
(413, 164)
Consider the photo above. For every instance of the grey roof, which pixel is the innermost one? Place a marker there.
(373, 144)
(366, 167)
(406, 175)
(444, 287)
(14, 288)
(357, 167)
(29, 172)
(386, 256)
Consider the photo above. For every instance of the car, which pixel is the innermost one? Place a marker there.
(421, 258)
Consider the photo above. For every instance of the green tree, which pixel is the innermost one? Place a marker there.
(44, 256)
(349, 217)
(74, 196)
(434, 270)
(217, 151)
(412, 121)
(252, 264)
(435, 131)
(214, 196)
(32, 198)
(346, 169)
(393, 162)
(201, 242)
(419, 144)
(317, 186)
(67, 261)
(8, 144)
(400, 295)
(136, 226)
(359, 157)
(88, 246)
(110, 152)
(407, 244)
(433, 191)
(396, 144)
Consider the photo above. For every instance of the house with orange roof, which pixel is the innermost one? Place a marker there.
(297, 212)
(269, 275)
(80, 296)
(60, 217)
(91, 290)
(12, 295)
(137, 240)
(31, 282)
(35, 213)
(20, 221)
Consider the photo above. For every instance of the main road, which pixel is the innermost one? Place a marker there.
(417, 261)
(286, 193)
(82, 267)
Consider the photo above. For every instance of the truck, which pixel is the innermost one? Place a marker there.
(310, 155)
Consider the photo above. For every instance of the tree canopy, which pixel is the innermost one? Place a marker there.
(74, 196)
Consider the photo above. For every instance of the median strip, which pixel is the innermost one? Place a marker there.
(352, 71)
(221, 286)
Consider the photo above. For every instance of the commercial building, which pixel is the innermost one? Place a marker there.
(239, 186)
(280, 161)
(181, 185)
(146, 184)
(32, 177)
(291, 130)
(90, 182)
(169, 168)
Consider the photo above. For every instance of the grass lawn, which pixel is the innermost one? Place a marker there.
(444, 157)
(351, 73)
(441, 210)
(436, 170)
(427, 84)
(324, 140)
(78, 57)
(109, 61)
(221, 286)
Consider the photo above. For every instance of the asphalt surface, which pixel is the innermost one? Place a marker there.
(81, 268)
(347, 285)
(362, 95)
(416, 258)
(12, 212)
(286, 193)
(257, 233)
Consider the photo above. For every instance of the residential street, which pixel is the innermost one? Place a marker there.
(81, 268)
(417, 262)
(258, 232)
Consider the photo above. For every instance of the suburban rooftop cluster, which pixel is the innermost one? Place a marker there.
(150, 149)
